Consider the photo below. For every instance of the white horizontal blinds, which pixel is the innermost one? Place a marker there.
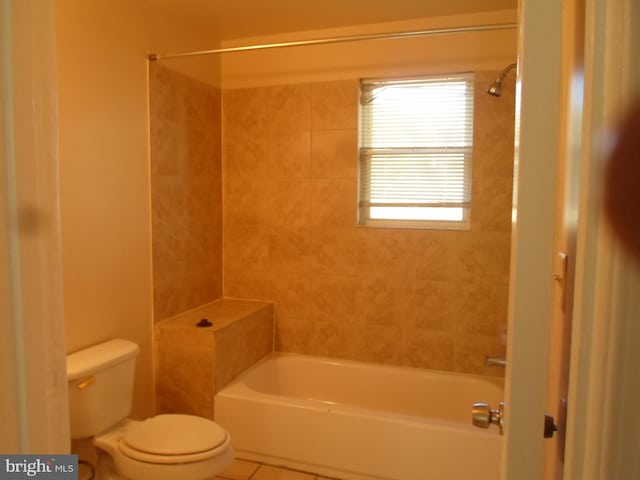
(416, 140)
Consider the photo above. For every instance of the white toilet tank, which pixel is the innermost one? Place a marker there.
(100, 386)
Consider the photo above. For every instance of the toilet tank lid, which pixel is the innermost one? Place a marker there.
(90, 360)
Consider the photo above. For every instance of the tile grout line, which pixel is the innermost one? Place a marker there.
(255, 471)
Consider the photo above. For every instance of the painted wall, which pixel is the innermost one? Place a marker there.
(105, 172)
(398, 57)
(186, 191)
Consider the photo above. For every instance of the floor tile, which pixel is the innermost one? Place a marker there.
(267, 472)
(239, 470)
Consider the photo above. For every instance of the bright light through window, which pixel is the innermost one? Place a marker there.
(415, 152)
(418, 213)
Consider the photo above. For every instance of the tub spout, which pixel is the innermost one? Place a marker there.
(495, 362)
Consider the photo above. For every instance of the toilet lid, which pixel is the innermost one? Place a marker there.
(175, 435)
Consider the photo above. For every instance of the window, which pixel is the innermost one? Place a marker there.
(416, 139)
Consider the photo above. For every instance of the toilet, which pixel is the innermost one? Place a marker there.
(164, 447)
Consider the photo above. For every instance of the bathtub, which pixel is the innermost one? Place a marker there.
(357, 421)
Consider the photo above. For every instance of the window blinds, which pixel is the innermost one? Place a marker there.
(416, 139)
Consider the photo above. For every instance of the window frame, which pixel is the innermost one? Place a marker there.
(365, 155)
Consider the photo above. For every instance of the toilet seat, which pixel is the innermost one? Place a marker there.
(173, 439)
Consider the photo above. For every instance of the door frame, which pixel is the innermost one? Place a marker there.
(604, 424)
(538, 99)
(33, 363)
(603, 428)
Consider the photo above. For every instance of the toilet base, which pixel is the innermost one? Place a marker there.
(106, 468)
(109, 469)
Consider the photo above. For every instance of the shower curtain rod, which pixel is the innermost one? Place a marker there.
(323, 41)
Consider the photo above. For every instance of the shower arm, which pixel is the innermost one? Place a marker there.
(507, 69)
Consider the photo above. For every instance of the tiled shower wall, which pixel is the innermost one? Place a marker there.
(186, 188)
(425, 298)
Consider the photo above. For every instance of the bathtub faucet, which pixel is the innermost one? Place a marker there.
(495, 362)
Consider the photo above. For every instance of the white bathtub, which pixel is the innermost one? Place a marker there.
(357, 421)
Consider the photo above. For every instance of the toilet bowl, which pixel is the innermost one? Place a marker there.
(164, 447)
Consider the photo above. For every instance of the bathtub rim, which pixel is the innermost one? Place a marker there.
(428, 372)
(240, 389)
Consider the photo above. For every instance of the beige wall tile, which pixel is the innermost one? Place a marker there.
(433, 254)
(291, 293)
(241, 344)
(429, 349)
(483, 309)
(169, 252)
(492, 200)
(317, 337)
(333, 298)
(400, 296)
(289, 107)
(165, 103)
(185, 379)
(290, 249)
(244, 114)
(380, 300)
(166, 297)
(186, 186)
(378, 344)
(334, 203)
(334, 153)
(334, 105)
(335, 250)
(246, 202)
(169, 206)
(247, 247)
(168, 335)
(432, 305)
(246, 159)
(382, 250)
(289, 203)
(484, 257)
(250, 282)
(293, 334)
(333, 339)
(168, 137)
(290, 154)
(192, 363)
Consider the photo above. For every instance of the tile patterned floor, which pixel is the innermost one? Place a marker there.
(246, 470)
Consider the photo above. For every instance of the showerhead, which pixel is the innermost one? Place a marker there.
(495, 88)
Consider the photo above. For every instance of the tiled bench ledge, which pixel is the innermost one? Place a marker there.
(193, 363)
